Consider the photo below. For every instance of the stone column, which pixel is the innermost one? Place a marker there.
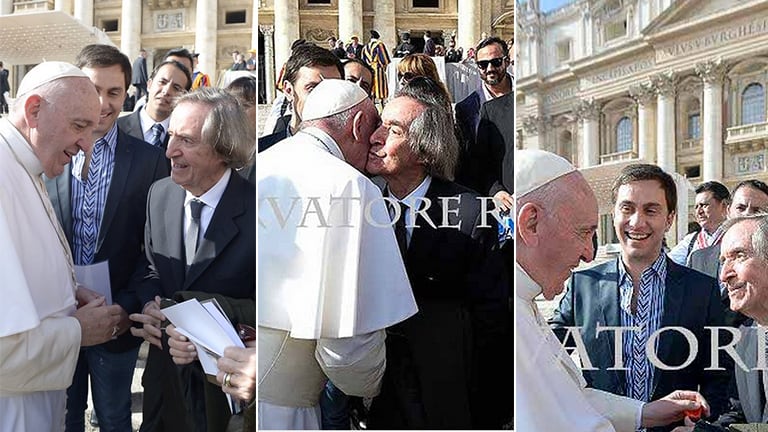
(6, 7)
(84, 11)
(384, 23)
(269, 61)
(644, 96)
(130, 29)
(713, 74)
(206, 36)
(533, 47)
(588, 111)
(286, 29)
(532, 127)
(255, 25)
(351, 20)
(63, 6)
(469, 24)
(664, 84)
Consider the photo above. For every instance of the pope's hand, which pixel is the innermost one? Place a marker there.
(673, 407)
(182, 350)
(97, 322)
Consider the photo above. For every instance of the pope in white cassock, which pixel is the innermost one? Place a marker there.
(556, 217)
(41, 330)
(330, 274)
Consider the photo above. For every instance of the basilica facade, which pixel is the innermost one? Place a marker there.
(678, 83)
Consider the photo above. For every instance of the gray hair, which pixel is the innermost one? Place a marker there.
(759, 237)
(431, 133)
(225, 128)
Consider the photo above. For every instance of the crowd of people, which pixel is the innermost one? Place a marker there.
(165, 196)
(661, 343)
(385, 287)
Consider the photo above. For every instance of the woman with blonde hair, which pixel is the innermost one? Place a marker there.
(416, 65)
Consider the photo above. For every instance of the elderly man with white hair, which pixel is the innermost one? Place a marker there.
(334, 278)
(556, 217)
(41, 331)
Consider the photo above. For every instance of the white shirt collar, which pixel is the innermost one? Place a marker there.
(416, 195)
(21, 148)
(525, 288)
(147, 122)
(213, 195)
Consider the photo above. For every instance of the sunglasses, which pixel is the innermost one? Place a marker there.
(406, 76)
(483, 64)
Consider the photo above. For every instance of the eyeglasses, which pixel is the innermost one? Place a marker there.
(483, 64)
(406, 76)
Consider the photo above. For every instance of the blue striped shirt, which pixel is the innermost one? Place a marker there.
(652, 278)
(96, 186)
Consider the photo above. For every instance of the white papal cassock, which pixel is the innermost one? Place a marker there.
(39, 339)
(330, 280)
(552, 394)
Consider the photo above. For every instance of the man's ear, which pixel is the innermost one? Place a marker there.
(670, 219)
(357, 124)
(527, 224)
(32, 107)
(288, 90)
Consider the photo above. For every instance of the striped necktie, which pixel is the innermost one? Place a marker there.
(190, 239)
(639, 366)
(90, 227)
(157, 135)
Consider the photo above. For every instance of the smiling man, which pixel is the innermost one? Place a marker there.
(52, 118)
(711, 209)
(150, 123)
(100, 202)
(644, 288)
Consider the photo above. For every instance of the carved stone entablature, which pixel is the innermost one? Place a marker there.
(587, 109)
(608, 10)
(267, 30)
(711, 71)
(643, 93)
(168, 4)
(665, 83)
(531, 124)
(318, 35)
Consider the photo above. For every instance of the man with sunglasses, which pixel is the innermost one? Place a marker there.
(492, 60)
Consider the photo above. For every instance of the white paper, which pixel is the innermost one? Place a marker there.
(200, 324)
(96, 278)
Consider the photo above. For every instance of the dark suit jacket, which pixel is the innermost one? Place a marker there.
(121, 234)
(492, 156)
(429, 47)
(707, 261)
(224, 265)
(691, 300)
(448, 366)
(278, 134)
(139, 75)
(131, 124)
(4, 86)
(467, 114)
(358, 52)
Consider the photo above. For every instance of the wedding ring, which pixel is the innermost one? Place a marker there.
(114, 331)
(227, 377)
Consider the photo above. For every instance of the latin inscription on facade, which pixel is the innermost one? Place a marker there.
(621, 71)
(713, 39)
(561, 94)
(169, 21)
(750, 164)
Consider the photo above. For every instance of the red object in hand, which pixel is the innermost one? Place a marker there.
(694, 414)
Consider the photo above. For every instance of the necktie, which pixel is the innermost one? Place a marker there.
(401, 232)
(157, 133)
(190, 239)
(90, 228)
(639, 366)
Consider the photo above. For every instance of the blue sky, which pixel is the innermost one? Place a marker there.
(548, 5)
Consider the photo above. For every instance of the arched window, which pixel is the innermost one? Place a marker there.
(624, 135)
(753, 104)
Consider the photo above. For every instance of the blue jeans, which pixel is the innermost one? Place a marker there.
(334, 408)
(111, 375)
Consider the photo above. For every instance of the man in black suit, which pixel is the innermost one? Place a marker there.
(4, 87)
(139, 78)
(644, 288)
(150, 123)
(492, 157)
(492, 59)
(200, 242)
(99, 202)
(355, 48)
(443, 362)
(429, 44)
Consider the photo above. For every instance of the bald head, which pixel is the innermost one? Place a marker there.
(554, 228)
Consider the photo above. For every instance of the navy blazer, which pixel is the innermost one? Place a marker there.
(457, 353)
(225, 262)
(121, 234)
(691, 300)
